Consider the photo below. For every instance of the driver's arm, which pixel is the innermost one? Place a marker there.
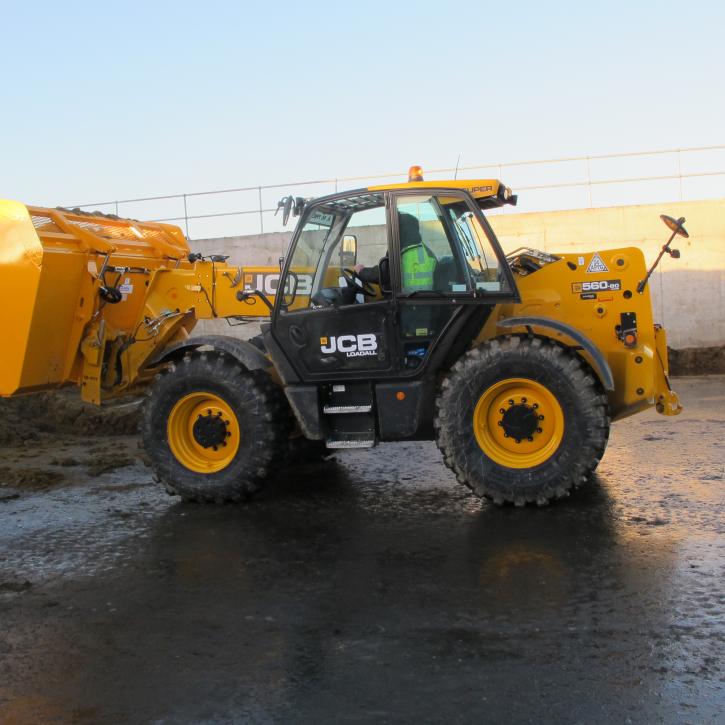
(368, 274)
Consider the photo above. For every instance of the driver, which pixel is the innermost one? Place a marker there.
(418, 263)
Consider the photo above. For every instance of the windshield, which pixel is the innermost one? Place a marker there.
(336, 237)
(314, 237)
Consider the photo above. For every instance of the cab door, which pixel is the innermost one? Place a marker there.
(328, 327)
(449, 273)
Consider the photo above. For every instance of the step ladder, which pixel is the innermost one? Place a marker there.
(348, 415)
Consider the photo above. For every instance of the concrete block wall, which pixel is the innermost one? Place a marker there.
(688, 293)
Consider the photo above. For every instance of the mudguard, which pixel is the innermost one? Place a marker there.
(246, 353)
(599, 362)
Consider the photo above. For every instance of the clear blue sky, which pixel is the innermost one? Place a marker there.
(107, 100)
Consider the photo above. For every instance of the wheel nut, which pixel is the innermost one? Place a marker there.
(518, 440)
(530, 439)
(501, 410)
(539, 430)
(511, 401)
(500, 423)
(535, 406)
(541, 417)
(505, 435)
(523, 400)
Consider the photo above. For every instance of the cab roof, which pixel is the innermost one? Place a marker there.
(488, 192)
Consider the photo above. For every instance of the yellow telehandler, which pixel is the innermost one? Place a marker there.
(395, 315)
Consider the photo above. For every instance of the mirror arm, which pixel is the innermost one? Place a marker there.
(666, 248)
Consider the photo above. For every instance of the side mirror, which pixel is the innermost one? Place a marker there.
(286, 204)
(348, 251)
(384, 267)
(290, 289)
(675, 225)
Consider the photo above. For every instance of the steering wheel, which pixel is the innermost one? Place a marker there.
(356, 281)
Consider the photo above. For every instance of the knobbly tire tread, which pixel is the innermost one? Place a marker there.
(262, 413)
(575, 386)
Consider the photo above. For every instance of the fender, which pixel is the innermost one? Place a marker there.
(599, 362)
(245, 352)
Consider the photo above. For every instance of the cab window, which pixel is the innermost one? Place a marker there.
(335, 241)
(430, 256)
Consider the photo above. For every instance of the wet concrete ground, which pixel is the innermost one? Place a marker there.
(374, 589)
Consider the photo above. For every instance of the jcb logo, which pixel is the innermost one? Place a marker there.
(350, 345)
(268, 283)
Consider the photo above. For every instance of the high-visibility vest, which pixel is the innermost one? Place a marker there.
(418, 266)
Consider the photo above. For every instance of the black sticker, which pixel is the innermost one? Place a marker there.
(588, 295)
(602, 285)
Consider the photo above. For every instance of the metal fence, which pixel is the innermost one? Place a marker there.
(542, 184)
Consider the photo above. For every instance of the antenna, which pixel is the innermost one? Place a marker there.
(458, 161)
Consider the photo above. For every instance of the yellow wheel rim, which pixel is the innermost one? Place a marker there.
(518, 423)
(203, 432)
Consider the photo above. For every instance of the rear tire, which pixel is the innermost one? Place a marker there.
(212, 430)
(521, 420)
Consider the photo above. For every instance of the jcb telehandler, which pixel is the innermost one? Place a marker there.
(395, 315)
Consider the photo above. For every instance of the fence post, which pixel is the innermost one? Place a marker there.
(186, 218)
(117, 214)
(261, 210)
(679, 170)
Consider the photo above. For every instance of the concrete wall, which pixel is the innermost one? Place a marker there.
(688, 293)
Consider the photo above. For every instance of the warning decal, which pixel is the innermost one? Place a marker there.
(597, 265)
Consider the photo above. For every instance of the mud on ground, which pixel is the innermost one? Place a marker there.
(374, 589)
(47, 439)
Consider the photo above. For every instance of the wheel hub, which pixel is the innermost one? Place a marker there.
(211, 431)
(203, 432)
(520, 422)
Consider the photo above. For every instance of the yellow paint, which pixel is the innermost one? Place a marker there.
(21, 256)
(184, 445)
(58, 330)
(490, 433)
(555, 291)
(478, 188)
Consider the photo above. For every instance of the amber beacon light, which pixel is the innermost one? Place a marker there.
(415, 173)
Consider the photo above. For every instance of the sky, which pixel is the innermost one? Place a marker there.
(117, 100)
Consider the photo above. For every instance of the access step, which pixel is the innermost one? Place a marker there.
(351, 443)
(343, 409)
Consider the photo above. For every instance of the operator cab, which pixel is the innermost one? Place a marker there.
(376, 278)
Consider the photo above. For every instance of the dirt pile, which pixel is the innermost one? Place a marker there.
(30, 417)
(29, 478)
(697, 361)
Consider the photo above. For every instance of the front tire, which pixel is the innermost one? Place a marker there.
(521, 420)
(212, 430)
